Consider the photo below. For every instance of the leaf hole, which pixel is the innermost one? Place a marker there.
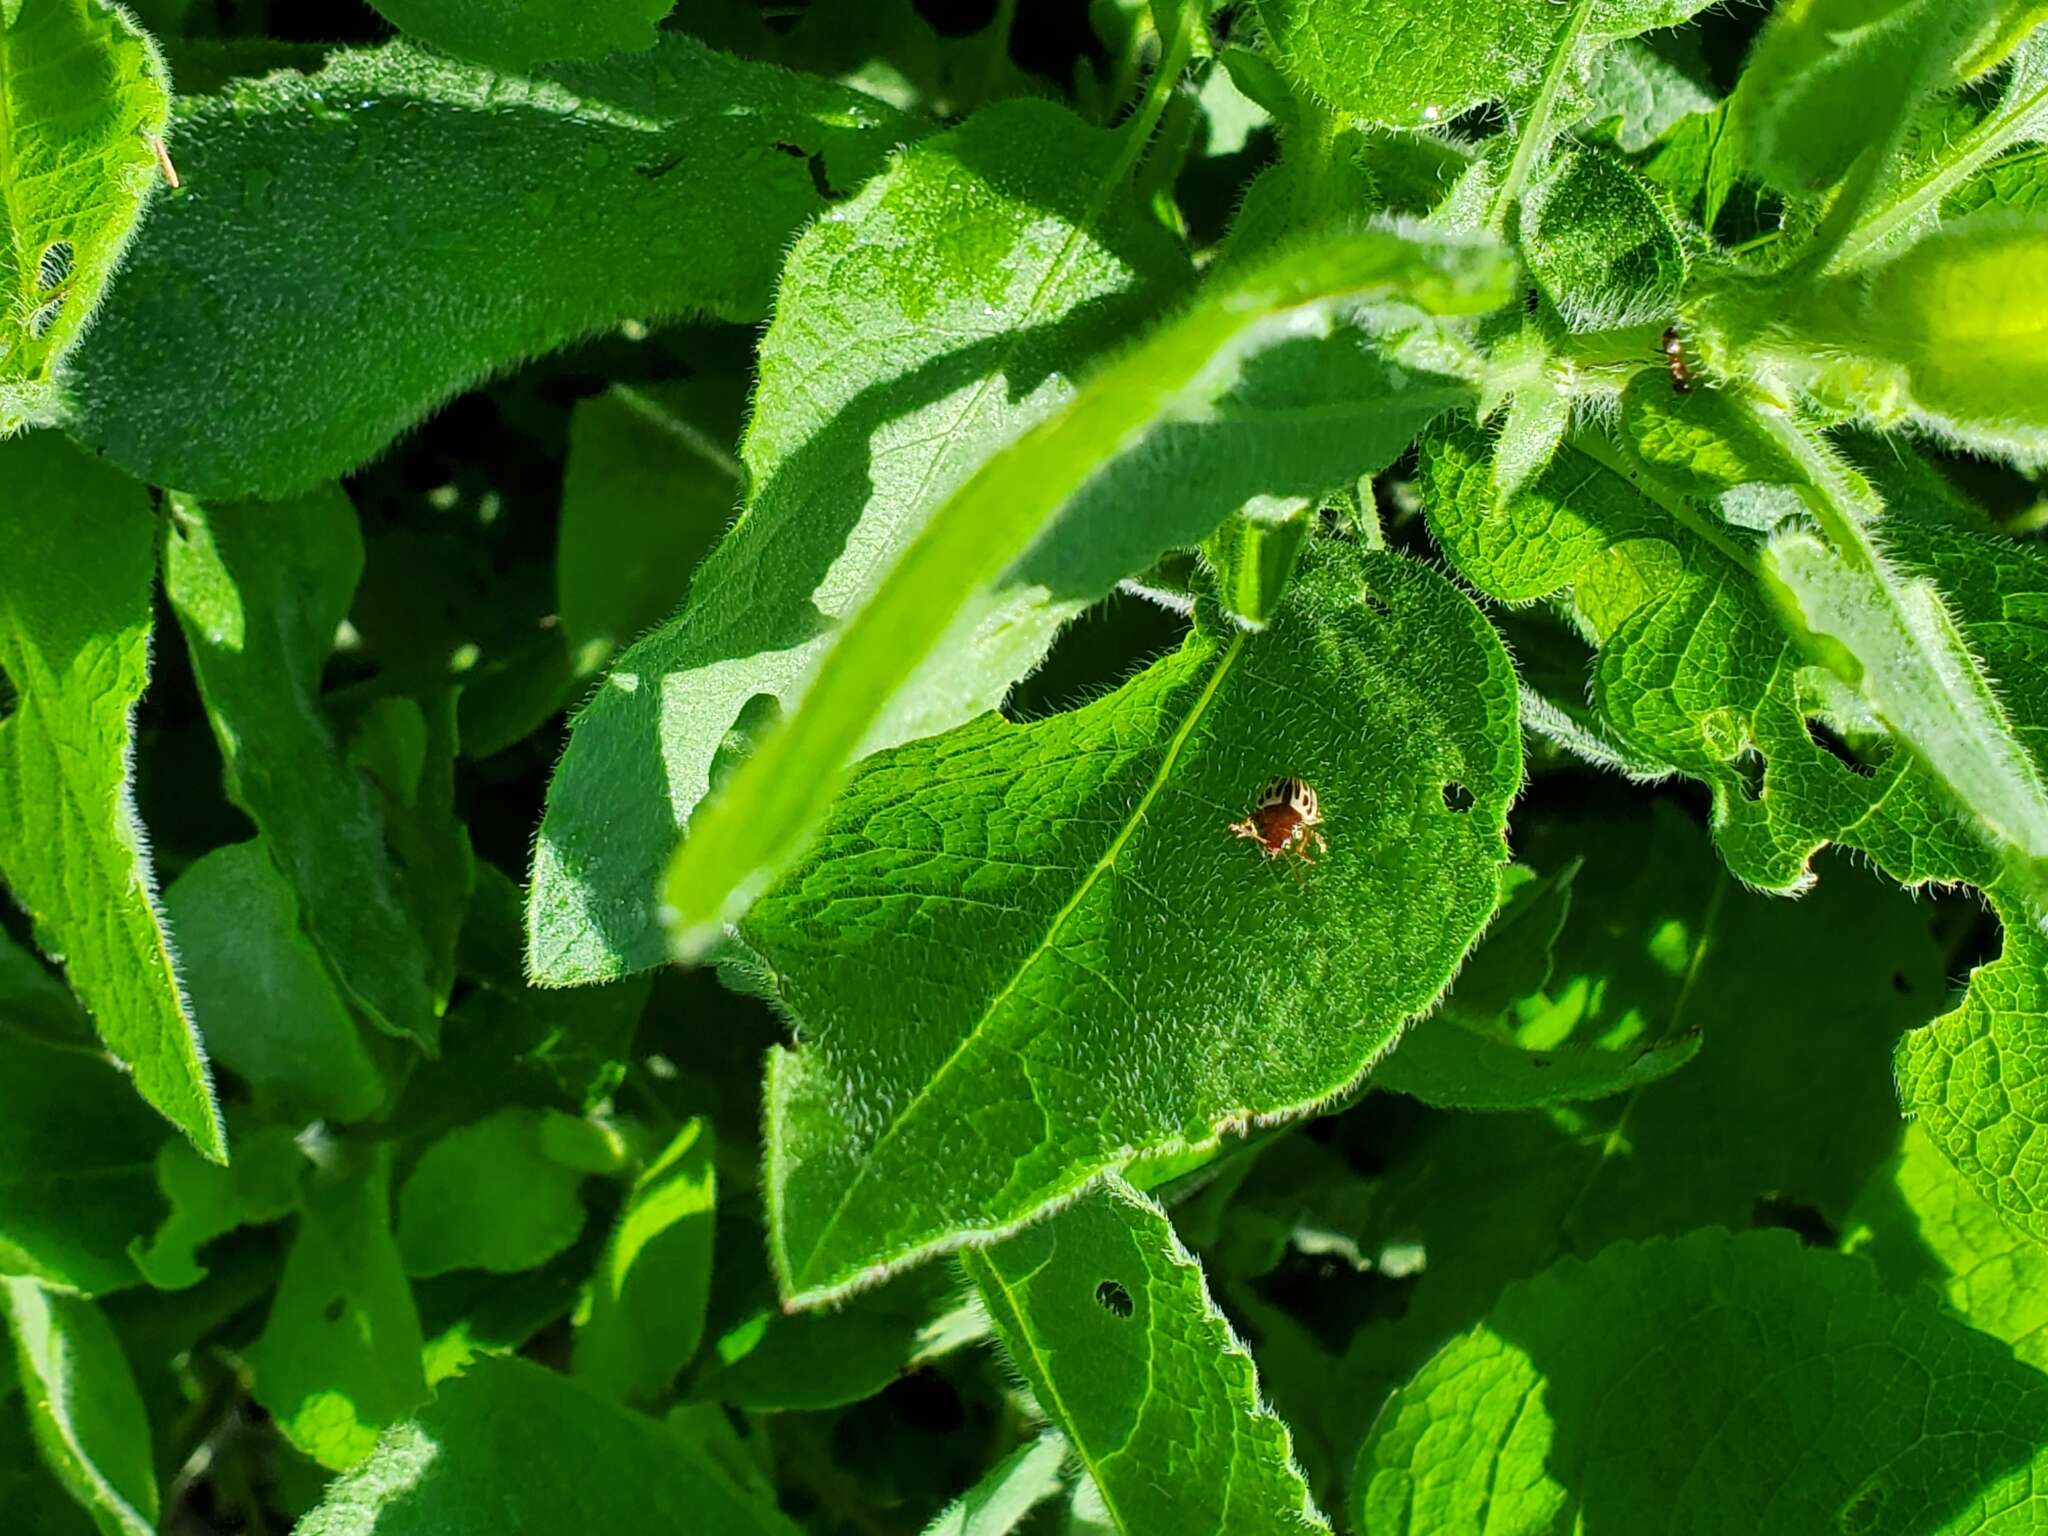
(333, 1310)
(1457, 798)
(1114, 1299)
(1901, 982)
(1749, 767)
(1803, 1221)
(41, 320)
(815, 164)
(55, 265)
(1824, 737)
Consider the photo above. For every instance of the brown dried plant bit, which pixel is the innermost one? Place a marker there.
(1674, 359)
(163, 160)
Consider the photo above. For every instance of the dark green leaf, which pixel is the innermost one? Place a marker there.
(518, 35)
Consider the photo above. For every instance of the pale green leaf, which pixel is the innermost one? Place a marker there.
(1023, 526)
(340, 1353)
(647, 1299)
(488, 1196)
(487, 1455)
(76, 1159)
(82, 95)
(646, 185)
(916, 328)
(259, 590)
(274, 1016)
(1922, 1225)
(516, 35)
(1018, 1484)
(1731, 1383)
(1043, 876)
(207, 1200)
(74, 645)
(1109, 1320)
(1638, 95)
(83, 1406)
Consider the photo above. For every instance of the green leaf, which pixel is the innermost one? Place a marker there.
(488, 1196)
(1584, 986)
(74, 645)
(486, 1456)
(1637, 96)
(1035, 870)
(1962, 313)
(878, 393)
(647, 1299)
(82, 93)
(1408, 62)
(646, 185)
(83, 1407)
(208, 1200)
(1109, 1321)
(259, 591)
(1018, 1484)
(646, 491)
(517, 36)
(1009, 531)
(340, 1353)
(1927, 1231)
(274, 1016)
(76, 1158)
(1601, 243)
(1724, 1380)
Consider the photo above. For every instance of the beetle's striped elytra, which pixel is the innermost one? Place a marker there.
(1285, 819)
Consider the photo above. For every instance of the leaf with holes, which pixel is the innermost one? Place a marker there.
(83, 104)
(1046, 875)
(1107, 1318)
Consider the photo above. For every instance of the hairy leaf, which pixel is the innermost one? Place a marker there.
(879, 392)
(997, 1504)
(259, 590)
(646, 1307)
(339, 1357)
(1044, 875)
(1601, 243)
(1716, 1379)
(646, 185)
(1080, 501)
(486, 1456)
(83, 93)
(523, 33)
(83, 1406)
(1108, 1319)
(74, 645)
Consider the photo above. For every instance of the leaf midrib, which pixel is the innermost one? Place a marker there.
(1125, 831)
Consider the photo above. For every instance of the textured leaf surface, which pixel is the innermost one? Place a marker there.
(1023, 526)
(486, 1456)
(1410, 62)
(1109, 1320)
(340, 1353)
(526, 32)
(1727, 1382)
(207, 1200)
(1601, 243)
(646, 185)
(916, 328)
(1926, 1230)
(259, 590)
(488, 1196)
(1047, 881)
(74, 644)
(647, 1300)
(82, 89)
(83, 1406)
(274, 1016)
